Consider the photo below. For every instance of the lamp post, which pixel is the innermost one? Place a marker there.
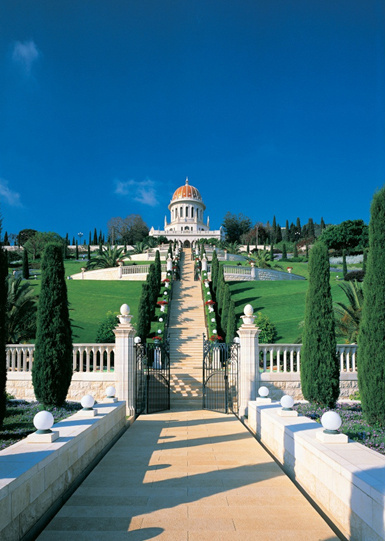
(80, 235)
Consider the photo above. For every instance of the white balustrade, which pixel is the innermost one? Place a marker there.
(139, 269)
(286, 358)
(85, 357)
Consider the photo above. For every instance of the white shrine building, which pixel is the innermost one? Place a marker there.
(187, 218)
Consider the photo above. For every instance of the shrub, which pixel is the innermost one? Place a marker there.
(52, 367)
(105, 334)
(3, 305)
(268, 332)
(357, 275)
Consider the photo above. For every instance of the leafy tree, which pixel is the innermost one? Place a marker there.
(36, 244)
(371, 338)
(231, 323)
(235, 226)
(128, 230)
(351, 234)
(52, 367)
(109, 257)
(20, 310)
(348, 315)
(319, 368)
(24, 235)
(268, 332)
(3, 336)
(105, 334)
(25, 265)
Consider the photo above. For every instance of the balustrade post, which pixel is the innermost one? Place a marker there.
(249, 360)
(124, 362)
(253, 272)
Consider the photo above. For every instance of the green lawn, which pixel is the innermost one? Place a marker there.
(90, 300)
(283, 302)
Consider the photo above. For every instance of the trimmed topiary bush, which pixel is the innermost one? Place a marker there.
(105, 334)
(357, 275)
(319, 367)
(371, 338)
(52, 367)
(25, 265)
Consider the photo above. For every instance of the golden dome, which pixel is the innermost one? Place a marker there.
(187, 192)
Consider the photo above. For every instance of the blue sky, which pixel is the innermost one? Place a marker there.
(270, 107)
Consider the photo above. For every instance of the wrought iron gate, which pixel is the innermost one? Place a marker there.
(220, 377)
(153, 378)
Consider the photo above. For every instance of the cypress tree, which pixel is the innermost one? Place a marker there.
(371, 338)
(73, 241)
(319, 368)
(279, 236)
(52, 367)
(95, 239)
(271, 256)
(231, 325)
(273, 231)
(25, 265)
(311, 228)
(226, 299)
(3, 332)
(220, 289)
(88, 252)
(214, 271)
(307, 251)
(322, 224)
(6, 241)
(296, 253)
(76, 251)
(364, 260)
(158, 268)
(100, 249)
(287, 232)
(89, 238)
(284, 256)
(248, 248)
(344, 263)
(143, 324)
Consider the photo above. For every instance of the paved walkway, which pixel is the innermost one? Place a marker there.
(187, 475)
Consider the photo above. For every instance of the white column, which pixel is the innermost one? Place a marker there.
(226, 256)
(120, 265)
(124, 360)
(169, 264)
(248, 360)
(253, 271)
(204, 262)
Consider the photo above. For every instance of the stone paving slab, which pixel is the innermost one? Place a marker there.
(191, 476)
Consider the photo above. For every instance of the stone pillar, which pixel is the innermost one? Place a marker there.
(204, 262)
(169, 264)
(253, 271)
(83, 269)
(124, 360)
(248, 360)
(225, 255)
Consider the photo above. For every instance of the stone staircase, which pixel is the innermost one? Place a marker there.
(186, 329)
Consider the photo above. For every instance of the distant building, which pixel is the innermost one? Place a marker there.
(187, 218)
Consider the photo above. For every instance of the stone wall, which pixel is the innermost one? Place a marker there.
(95, 383)
(280, 384)
(345, 480)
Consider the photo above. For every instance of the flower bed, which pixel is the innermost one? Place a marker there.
(354, 424)
(18, 421)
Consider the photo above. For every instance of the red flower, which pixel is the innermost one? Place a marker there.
(157, 338)
(166, 280)
(162, 302)
(215, 337)
(210, 302)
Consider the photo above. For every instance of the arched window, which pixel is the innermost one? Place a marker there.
(192, 213)
(186, 212)
(181, 212)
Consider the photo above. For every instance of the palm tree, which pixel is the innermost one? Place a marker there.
(109, 257)
(139, 247)
(21, 310)
(263, 258)
(233, 247)
(348, 316)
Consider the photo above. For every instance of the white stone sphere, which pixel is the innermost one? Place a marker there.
(213, 320)
(263, 391)
(110, 391)
(331, 420)
(214, 331)
(43, 420)
(87, 401)
(287, 401)
(125, 310)
(159, 331)
(160, 319)
(248, 310)
(137, 340)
